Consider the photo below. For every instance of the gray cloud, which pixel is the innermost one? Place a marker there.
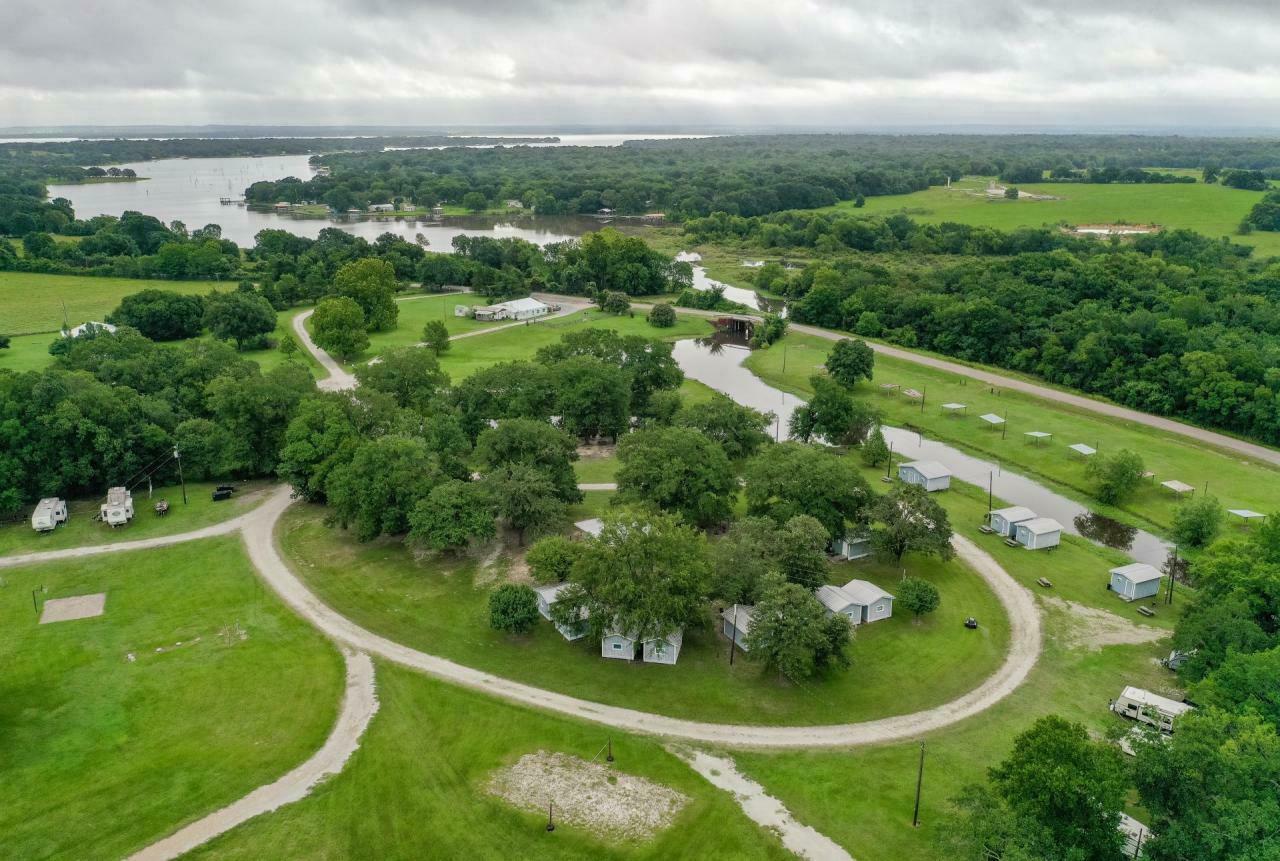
(663, 61)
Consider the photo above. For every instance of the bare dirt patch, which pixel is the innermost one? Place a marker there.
(1090, 628)
(75, 607)
(588, 795)
(597, 452)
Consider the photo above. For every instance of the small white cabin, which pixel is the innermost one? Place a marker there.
(852, 546)
(737, 624)
(618, 645)
(547, 597)
(1003, 521)
(664, 649)
(859, 601)
(1136, 580)
(1146, 707)
(1039, 533)
(91, 327)
(49, 512)
(929, 474)
(382, 207)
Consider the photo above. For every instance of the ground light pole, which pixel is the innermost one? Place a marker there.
(915, 816)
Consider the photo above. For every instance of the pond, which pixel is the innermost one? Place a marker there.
(190, 190)
(718, 365)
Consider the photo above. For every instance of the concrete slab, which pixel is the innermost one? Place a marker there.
(75, 607)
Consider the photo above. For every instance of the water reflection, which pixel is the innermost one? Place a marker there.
(742, 296)
(719, 366)
(1105, 530)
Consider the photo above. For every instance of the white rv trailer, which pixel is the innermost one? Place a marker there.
(49, 512)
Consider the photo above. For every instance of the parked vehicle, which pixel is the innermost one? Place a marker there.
(1151, 709)
(118, 509)
(49, 512)
(220, 494)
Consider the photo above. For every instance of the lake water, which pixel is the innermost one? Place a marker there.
(742, 296)
(719, 365)
(188, 190)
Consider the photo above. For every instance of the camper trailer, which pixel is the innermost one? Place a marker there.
(49, 512)
(1146, 707)
(118, 509)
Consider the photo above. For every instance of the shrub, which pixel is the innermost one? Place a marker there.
(513, 608)
(662, 316)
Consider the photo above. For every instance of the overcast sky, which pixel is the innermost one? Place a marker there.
(414, 62)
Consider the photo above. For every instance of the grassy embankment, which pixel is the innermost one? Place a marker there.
(81, 529)
(1236, 481)
(195, 687)
(416, 788)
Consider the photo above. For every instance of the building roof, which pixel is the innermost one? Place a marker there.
(1083, 449)
(592, 526)
(927, 468)
(992, 418)
(550, 594)
(528, 303)
(85, 327)
(674, 637)
(740, 616)
(1155, 700)
(1015, 513)
(1138, 572)
(47, 505)
(629, 635)
(834, 598)
(1177, 486)
(864, 592)
(1041, 525)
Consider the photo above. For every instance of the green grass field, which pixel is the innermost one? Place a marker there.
(1213, 210)
(416, 788)
(594, 470)
(415, 311)
(441, 606)
(32, 303)
(194, 688)
(469, 355)
(1234, 481)
(81, 529)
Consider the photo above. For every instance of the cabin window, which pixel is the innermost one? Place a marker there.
(617, 647)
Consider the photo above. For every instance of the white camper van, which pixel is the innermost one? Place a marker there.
(1146, 707)
(49, 512)
(118, 509)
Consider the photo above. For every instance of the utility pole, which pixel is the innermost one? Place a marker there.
(924, 394)
(178, 457)
(889, 466)
(1173, 572)
(915, 817)
(733, 640)
(991, 481)
(1004, 426)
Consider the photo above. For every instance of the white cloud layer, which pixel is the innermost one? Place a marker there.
(815, 62)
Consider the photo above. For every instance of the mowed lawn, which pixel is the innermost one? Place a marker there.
(1235, 480)
(441, 606)
(195, 687)
(1213, 210)
(33, 303)
(468, 355)
(81, 529)
(417, 788)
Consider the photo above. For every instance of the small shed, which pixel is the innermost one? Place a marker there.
(1004, 521)
(1136, 580)
(664, 649)
(1039, 533)
(619, 645)
(1038, 437)
(547, 597)
(589, 528)
(955, 409)
(929, 474)
(852, 546)
(992, 419)
(1146, 707)
(858, 601)
(1083, 450)
(1177, 488)
(737, 623)
(92, 327)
